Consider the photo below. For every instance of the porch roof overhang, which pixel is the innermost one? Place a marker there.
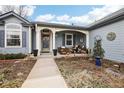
(11, 13)
(111, 18)
(52, 25)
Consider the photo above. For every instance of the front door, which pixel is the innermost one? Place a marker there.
(46, 43)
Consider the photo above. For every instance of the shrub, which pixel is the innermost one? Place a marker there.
(98, 51)
(12, 56)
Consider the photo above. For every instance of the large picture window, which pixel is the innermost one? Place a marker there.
(13, 35)
(68, 39)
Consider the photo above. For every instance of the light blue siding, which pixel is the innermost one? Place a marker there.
(2, 28)
(60, 38)
(17, 50)
(77, 38)
(12, 19)
(25, 37)
(114, 50)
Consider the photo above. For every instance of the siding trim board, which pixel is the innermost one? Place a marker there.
(24, 39)
(2, 38)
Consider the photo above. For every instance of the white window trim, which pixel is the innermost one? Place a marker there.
(66, 39)
(13, 30)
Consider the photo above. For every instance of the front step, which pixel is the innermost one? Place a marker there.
(46, 55)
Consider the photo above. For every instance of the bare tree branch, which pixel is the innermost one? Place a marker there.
(7, 8)
(18, 9)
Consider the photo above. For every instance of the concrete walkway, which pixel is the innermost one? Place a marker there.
(45, 74)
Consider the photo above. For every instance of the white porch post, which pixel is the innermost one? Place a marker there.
(53, 40)
(87, 39)
(30, 40)
(37, 40)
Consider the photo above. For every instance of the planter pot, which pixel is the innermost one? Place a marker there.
(98, 61)
(35, 52)
(54, 52)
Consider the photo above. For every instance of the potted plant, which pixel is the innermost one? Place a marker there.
(98, 51)
(35, 52)
(54, 52)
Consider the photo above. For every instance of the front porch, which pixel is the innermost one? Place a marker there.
(48, 38)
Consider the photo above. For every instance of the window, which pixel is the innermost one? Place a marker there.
(68, 39)
(13, 35)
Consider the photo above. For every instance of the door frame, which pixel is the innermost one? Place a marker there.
(42, 50)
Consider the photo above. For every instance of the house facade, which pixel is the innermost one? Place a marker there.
(49, 36)
(14, 34)
(111, 30)
(18, 35)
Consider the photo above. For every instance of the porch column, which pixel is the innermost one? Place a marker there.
(53, 40)
(87, 39)
(30, 40)
(37, 40)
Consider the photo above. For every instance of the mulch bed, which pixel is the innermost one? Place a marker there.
(79, 72)
(14, 72)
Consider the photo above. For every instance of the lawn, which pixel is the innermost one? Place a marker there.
(82, 73)
(13, 73)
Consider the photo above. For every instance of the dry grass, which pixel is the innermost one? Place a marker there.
(79, 72)
(14, 72)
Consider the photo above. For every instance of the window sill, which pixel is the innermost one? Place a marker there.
(13, 47)
(69, 45)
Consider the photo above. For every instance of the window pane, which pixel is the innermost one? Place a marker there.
(69, 42)
(13, 42)
(69, 36)
(13, 32)
(12, 26)
(12, 36)
(15, 36)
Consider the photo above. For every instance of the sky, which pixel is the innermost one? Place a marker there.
(69, 14)
(58, 10)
